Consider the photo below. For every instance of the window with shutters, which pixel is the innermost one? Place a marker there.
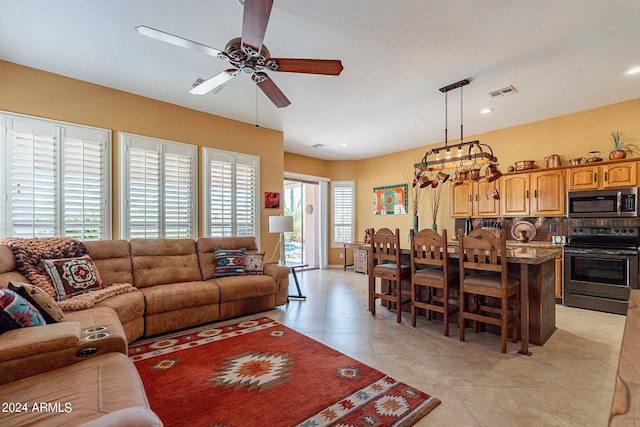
(231, 193)
(342, 212)
(158, 188)
(56, 179)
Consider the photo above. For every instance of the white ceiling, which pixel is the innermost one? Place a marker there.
(561, 56)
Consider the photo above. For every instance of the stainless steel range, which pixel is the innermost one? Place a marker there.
(601, 263)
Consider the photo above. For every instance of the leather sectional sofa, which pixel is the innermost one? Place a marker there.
(79, 367)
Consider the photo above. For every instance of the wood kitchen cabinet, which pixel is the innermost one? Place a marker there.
(474, 199)
(533, 194)
(603, 176)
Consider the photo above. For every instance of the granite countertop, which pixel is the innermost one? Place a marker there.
(521, 253)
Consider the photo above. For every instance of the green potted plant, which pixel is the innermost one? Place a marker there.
(621, 146)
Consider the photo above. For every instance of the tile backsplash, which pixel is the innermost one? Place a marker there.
(545, 227)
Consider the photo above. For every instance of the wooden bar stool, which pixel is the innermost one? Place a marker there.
(483, 276)
(430, 269)
(385, 263)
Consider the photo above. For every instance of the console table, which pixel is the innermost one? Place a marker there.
(354, 246)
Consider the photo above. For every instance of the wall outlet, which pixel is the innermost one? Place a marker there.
(552, 228)
(341, 255)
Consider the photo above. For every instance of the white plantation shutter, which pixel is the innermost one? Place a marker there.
(85, 183)
(231, 193)
(179, 206)
(144, 194)
(158, 188)
(343, 212)
(56, 180)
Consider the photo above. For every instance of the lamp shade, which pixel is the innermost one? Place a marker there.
(280, 224)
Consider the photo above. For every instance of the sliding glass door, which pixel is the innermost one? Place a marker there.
(301, 200)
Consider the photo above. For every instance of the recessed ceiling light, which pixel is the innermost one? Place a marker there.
(632, 71)
(344, 144)
(486, 111)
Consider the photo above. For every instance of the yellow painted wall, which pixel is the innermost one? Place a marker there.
(36, 93)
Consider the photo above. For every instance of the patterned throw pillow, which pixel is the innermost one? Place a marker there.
(16, 312)
(73, 276)
(254, 263)
(38, 298)
(228, 262)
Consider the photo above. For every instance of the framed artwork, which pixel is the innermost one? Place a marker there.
(271, 200)
(390, 200)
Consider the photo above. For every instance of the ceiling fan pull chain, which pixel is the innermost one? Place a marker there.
(257, 125)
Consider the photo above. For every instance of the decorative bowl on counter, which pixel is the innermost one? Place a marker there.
(524, 165)
(523, 231)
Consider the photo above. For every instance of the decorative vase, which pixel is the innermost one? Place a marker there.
(617, 154)
(415, 224)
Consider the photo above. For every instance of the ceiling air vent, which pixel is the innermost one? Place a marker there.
(319, 146)
(505, 91)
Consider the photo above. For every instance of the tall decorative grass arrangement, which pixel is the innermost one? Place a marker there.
(414, 195)
(435, 196)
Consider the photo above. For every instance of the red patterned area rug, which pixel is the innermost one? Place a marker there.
(262, 373)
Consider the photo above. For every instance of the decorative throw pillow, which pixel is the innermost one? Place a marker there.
(72, 276)
(16, 312)
(228, 262)
(47, 306)
(254, 263)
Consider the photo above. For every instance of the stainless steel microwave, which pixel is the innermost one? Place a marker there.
(607, 203)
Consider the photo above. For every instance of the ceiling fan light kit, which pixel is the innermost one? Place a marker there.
(249, 55)
(462, 155)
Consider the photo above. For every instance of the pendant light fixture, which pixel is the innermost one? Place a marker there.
(470, 154)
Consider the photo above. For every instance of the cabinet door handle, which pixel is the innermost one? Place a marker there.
(476, 197)
(535, 194)
(595, 177)
(605, 176)
(527, 194)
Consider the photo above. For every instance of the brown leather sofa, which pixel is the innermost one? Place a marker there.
(85, 355)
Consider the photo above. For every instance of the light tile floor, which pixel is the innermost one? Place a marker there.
(567, 382)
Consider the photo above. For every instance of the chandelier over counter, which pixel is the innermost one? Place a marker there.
(467, 158)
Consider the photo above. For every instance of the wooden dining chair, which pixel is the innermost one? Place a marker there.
(385, 263)
(495, 297)
(432, 278)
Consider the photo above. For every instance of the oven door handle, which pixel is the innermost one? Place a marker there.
(628, 254)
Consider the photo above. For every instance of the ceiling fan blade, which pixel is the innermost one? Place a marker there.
(175, 40)
(254, 22)
(332, 67)
(270, 89)
(215, 81)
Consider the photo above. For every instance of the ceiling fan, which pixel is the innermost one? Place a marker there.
(249, 55)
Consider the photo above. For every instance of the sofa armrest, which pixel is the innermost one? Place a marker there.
(24, 342)
(278, 272)
(30, 351)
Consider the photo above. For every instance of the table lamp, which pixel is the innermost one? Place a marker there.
(281, 224)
